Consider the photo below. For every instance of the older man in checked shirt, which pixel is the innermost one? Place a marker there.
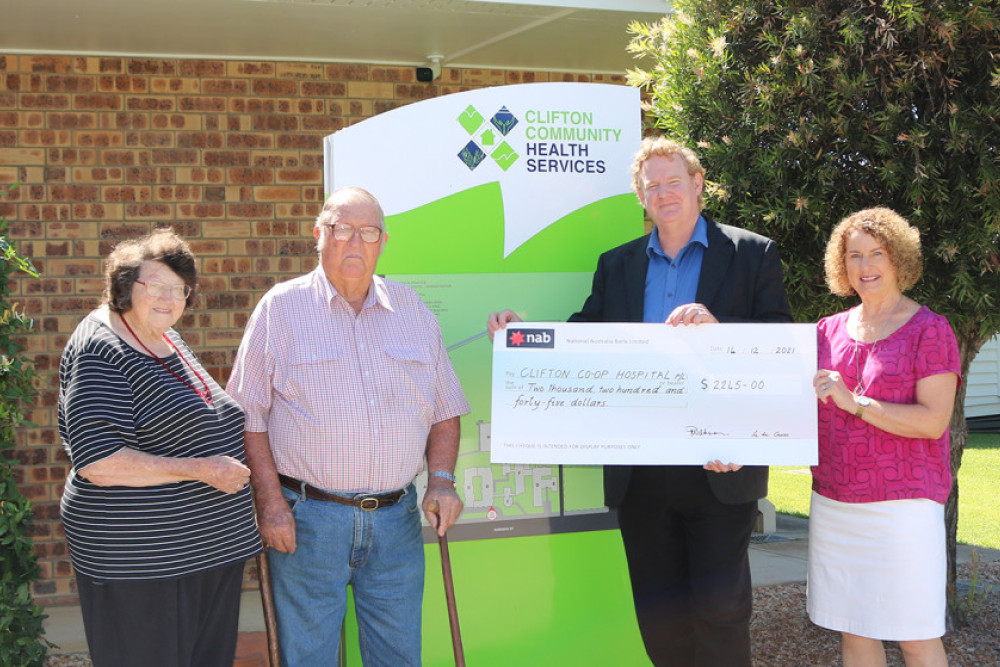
(347, 387)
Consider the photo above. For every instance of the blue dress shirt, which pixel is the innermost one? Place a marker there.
(671, 282)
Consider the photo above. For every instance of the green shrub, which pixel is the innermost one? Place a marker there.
(21, 630)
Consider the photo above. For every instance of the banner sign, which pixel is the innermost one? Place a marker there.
(503, 198)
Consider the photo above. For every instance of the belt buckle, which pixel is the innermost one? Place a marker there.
(369, 504)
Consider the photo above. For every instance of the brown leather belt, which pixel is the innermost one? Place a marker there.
(368, 503)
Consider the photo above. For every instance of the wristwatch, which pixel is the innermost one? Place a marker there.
(446, 475)
(862, 403)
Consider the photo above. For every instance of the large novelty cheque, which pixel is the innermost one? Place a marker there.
(571, 393)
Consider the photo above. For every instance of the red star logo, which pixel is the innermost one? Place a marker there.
(517, 338)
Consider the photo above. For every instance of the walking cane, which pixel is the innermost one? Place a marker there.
(449, 591)
(270, 616)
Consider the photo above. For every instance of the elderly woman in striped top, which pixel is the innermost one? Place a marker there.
(157, 509)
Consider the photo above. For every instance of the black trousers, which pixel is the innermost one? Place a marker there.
(190, 621)
(689, 568)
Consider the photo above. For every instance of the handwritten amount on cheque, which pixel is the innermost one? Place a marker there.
(534, 386)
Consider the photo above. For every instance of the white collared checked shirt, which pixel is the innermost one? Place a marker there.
(347, 401)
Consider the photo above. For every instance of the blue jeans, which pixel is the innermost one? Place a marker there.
(380, 553)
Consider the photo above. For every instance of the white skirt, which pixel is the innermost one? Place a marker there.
(878, 570)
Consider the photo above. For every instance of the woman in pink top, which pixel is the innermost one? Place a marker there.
(888, 372)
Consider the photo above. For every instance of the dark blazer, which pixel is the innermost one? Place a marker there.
(741, 281)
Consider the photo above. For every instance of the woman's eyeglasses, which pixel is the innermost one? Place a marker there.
(176, 292)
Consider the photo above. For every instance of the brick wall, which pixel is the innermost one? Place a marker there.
(228, 153)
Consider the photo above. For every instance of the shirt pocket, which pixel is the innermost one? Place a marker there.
(410, 379)
(311, 372)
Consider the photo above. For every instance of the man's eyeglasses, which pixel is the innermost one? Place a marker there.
(342, 232)
(176, 292)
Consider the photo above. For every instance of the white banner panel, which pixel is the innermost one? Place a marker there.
(549, 146)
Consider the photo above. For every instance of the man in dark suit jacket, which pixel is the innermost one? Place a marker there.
(686, 530)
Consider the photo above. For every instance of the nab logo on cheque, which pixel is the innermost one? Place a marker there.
(531, 338)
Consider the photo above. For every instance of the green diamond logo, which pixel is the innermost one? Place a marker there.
(470, 119)
(504, 156)
(487, 138)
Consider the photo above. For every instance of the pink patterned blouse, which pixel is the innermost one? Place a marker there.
(858, 462)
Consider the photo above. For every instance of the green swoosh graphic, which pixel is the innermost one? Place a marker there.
(463, 233)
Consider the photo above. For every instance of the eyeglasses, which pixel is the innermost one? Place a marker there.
(342, 232)
(176, 292)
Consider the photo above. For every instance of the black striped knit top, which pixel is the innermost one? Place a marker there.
(113, 396)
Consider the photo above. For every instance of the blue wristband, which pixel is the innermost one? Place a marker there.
(446, 475)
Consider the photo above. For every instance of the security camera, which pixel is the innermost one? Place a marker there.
(430, 71)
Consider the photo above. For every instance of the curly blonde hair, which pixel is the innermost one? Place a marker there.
(662, 147)
(897, 237)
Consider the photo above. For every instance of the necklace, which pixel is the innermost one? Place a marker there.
(205, 393)
(859, 369)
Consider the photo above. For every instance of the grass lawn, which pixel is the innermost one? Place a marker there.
(978, 482)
